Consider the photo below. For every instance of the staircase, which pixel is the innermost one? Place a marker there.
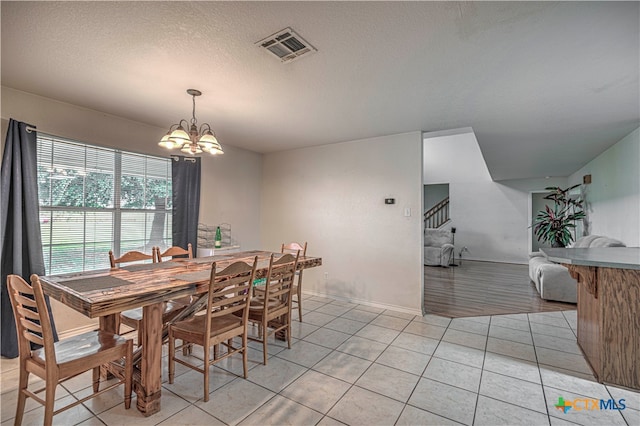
(437, 215)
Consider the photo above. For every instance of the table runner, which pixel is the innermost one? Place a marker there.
(150, 266)
(95, 283)
(208, 259)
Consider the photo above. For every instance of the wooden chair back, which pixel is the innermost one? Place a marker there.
(279, 284)
(293, 248)
(131, 256)
(31, 316)
(174, 251)
(231, 293)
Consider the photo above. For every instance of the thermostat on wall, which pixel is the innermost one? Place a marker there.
(389, 200)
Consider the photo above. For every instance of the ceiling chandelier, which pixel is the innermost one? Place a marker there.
(195, 141)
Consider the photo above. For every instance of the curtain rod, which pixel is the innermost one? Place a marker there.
(31, 129)
(177, 158)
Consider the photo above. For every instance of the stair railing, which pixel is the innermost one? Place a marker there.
(437, 215)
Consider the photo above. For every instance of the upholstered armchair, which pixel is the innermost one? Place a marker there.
(438, 247)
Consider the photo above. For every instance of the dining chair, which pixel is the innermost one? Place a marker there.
(131, 256)
(55, 362)
(174, 251)
(293, 248)
(133, 317)
(180, 253)
(225, 318)
(270, 309)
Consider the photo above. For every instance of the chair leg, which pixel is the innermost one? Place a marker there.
(172, 349)
(49, 400)
(128, 376)
(244, 353)
(263, 327)
(96, 379)
(206, 370)
(139, 333)
(22, 397)
(186, 348)
(300, 301)
(287, 329)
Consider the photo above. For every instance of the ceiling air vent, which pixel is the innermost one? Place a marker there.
(286, 45)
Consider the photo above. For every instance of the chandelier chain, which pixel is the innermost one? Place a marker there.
(194, 120)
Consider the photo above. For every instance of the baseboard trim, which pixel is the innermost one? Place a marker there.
(513, 262)
(366, 303)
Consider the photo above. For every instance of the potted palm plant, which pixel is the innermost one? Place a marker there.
(555, 224)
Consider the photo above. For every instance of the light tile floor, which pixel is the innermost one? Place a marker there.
(357, 365)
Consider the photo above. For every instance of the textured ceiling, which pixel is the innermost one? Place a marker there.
(545, 86)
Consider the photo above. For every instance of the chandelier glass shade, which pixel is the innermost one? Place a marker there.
(188, 138)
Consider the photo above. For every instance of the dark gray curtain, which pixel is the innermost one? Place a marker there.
(20, 232)
(185, 181)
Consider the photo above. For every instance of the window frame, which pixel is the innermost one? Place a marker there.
(116, 211)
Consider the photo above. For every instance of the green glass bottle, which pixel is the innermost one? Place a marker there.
(218, 237)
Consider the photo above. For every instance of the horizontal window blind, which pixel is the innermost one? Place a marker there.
(95, 199)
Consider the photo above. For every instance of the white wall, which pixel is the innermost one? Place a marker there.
(332, 196)
(492, 218)
(230, 183)
(613, 197)
(230, 193)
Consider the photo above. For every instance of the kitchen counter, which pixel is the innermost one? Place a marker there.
(608, 306)
(607, 257)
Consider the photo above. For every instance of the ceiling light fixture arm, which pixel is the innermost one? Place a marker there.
(205, 127)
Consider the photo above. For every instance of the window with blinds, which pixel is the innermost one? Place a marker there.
(95, 199)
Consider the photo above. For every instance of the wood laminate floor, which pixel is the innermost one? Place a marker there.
(483, 288)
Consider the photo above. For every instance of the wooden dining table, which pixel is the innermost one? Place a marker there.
(105, 293)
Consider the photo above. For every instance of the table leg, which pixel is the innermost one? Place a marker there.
(149, 389)
(281, 335)
(110, 323)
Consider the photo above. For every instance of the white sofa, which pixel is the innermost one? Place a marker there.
(438, 247)
(552, 280)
